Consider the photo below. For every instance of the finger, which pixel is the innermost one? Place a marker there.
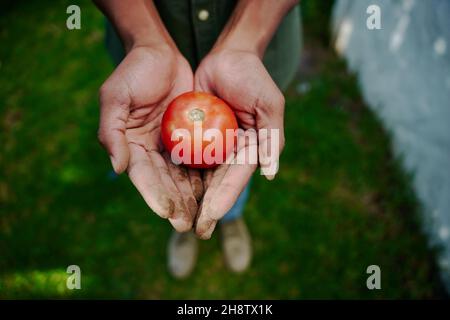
(146, 179)
(207, 176)
(111, 133)
(240, 168)
(206, 180)
(180, 177)
(270, 135)
(269, 151)
(225, 186)
(195, 179)
(204, 224)
(206, 229)
(221, 196)
(181, 219)
(212, 179)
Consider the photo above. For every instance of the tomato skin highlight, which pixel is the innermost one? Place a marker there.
(201, 108)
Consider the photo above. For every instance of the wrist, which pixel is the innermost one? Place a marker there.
(237, 43)
(136, 39)
(149, 33)
(137, 22)
(160, 51)
(147, 40)
(252, 25)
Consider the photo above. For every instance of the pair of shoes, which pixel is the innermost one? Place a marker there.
(236, 243)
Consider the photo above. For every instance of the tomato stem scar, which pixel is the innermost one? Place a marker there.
(196, 115)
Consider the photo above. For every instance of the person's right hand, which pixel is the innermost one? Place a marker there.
(132, 102)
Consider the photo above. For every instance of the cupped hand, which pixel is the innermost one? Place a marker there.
(240, 78)
(132, 102)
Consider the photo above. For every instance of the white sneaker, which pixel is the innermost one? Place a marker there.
(182, 252)
(236, 245)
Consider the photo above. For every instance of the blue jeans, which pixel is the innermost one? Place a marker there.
(238, 207)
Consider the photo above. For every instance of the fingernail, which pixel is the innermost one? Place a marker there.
(267, 173)
(114, 164)
(208, 233)
(270, 171)
(270, 177)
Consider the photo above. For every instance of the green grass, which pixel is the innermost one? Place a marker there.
(339, 204)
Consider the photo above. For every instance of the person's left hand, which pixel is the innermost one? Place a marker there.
(239, 78)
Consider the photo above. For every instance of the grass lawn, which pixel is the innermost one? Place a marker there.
(339, 204)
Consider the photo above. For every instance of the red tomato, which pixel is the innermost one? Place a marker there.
(196, 113)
